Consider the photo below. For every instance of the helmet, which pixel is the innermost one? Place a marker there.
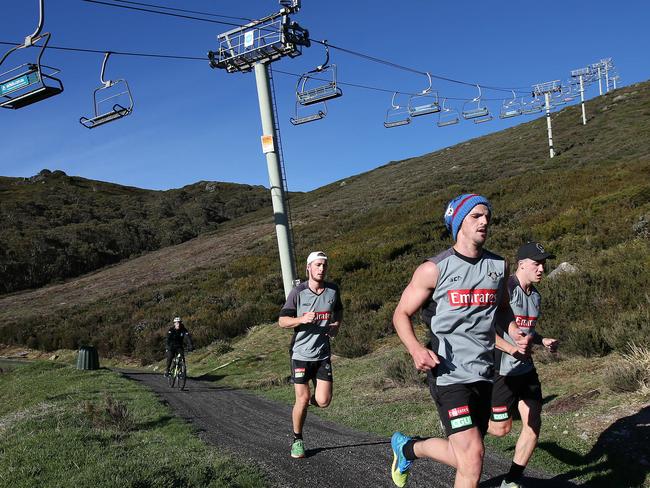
(177, 320)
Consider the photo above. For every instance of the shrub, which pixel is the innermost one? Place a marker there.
(401, 370)
(112, 414)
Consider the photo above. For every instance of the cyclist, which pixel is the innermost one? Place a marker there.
(176, 336)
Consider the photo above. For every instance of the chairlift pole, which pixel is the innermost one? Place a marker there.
(600, 83)
(278, 192)
(582, 100)
(253, 47)
(546, 89)
(547, 98)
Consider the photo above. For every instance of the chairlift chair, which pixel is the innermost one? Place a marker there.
(29, 83)
(470, 112)
(310, 117)
(397, 115)
(481, 120)
(106, 100)
(534, 106)
(424, 103)
(447, 116)
(311, 89)
(510, 108)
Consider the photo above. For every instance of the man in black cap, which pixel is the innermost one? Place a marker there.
(516, 382)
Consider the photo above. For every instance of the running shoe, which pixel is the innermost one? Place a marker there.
(401, 465)
(298, 449)
(511, 484)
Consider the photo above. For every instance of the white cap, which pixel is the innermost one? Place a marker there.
(313, 256)
(177, 319)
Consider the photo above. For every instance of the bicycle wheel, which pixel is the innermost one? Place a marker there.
(182, 374)
(171, 379)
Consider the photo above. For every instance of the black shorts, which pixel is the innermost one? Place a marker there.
(304, 371)
(463, 406)
(508, 390)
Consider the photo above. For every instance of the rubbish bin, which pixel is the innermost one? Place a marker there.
(88, 358)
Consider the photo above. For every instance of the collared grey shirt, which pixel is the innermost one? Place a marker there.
(310, 341)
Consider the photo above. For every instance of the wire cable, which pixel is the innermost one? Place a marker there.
(342, 49)
(205, 59)
(186, 11)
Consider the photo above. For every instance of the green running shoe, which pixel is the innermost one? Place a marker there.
(298, 449)
(401, 465)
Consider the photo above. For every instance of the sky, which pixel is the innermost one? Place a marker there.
(191, 122)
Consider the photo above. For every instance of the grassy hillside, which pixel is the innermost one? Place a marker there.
(590, 205)
(64, 427)
(53, 226)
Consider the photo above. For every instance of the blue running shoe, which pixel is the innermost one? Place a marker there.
(401, 465)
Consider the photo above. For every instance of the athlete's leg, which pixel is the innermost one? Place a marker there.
(463, 451)
(531, 423)
(500, 429)
(323, 393)
(300, 407)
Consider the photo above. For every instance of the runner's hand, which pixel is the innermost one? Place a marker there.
(308, 318)
(425, 359)
(550, 344)
(524, 342)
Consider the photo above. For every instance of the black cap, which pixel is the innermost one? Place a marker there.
(534, 251)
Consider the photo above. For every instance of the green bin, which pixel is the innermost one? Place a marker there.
(88, 358)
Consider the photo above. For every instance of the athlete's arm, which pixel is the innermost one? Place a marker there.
(524, 341)
(287, 322)
(413, 297)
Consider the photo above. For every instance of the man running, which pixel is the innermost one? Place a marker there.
(459, 291)
(314, 310)
(516, 382)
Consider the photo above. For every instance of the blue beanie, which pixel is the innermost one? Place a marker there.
(459, 207)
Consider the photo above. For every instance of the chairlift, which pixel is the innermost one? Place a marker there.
(569, 91)
(29, 83)
(510, 108)
(447, 116)
(425, 102)
(470, 112)
(397, 115)
(310, 117)
(310, 89)
(481, 120)
(106, 100)
(534, 106)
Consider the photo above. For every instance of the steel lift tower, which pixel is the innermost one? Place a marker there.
(255, 46)
(546, 89)
(583, 75)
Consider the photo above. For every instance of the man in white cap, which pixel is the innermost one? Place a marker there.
(460, 292)
(314, 311)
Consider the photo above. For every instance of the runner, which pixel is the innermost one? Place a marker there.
(314, 310)
(516, 382)
(460, 291)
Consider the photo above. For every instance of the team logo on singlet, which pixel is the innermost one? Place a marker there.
(472, 298)
(494, 275)
(526, 324)
(323, 315)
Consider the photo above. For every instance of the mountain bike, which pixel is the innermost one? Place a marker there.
(178, 372)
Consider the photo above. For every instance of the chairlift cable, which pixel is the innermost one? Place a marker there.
(186, 11)
(348, 51)
(203, 59)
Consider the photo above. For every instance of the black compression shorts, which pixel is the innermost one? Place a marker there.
(304, 371)
(463, 406)
(508, 390)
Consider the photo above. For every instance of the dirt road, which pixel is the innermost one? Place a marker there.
(257, 430)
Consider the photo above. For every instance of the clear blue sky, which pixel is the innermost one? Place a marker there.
(193, 123)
